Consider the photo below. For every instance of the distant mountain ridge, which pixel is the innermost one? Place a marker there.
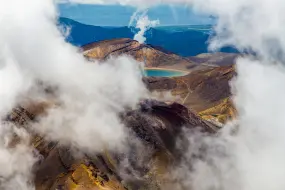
(181, 40)
(150, 55)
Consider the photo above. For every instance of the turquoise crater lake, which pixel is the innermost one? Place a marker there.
(163, 73)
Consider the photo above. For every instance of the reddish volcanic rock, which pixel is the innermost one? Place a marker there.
(151, 56)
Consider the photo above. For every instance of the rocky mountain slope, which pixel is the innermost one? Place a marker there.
(200, 90)
(215, 59)
(154, 126)
(154, 56)
(151, 56)
(221, 113)
(206, 85)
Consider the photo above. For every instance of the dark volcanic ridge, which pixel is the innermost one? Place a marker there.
(151, 56)
(155, 124)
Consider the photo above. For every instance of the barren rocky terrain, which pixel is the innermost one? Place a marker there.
(203, 99)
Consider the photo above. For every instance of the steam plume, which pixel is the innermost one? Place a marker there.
(143, 24)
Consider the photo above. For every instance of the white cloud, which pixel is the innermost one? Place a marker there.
(91, 95)
(136, 3)
(33, 48)
(142, 23)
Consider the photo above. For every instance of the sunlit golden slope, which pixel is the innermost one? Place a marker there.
(222, 112)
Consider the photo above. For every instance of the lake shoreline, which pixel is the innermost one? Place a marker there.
(166, 69)
(163, 72)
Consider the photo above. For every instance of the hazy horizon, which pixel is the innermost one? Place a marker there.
(118, 16)
(159, 26)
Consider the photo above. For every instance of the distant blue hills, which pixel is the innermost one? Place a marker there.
(182, 40)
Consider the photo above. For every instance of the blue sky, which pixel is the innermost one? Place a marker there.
(116, 15)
